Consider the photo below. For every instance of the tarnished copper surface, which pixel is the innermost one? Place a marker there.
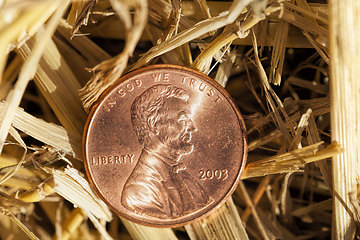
(164, 146)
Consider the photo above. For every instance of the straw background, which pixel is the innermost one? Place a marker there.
(291, 66)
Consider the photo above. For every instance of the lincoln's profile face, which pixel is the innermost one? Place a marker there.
(175, 128)
(163, 112)
(158, 186)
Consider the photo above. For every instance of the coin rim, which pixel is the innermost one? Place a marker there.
(201, 76)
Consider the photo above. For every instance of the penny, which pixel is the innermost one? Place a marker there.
(164, 146)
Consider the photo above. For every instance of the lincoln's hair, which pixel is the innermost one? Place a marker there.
(147, 110)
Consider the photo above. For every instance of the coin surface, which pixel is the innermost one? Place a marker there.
(164, 146)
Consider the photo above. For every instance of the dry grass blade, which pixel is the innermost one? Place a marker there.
(305, 9)
(70, 184)
(9, 77)
(354, 199)
(27, 72)
(48, 133)
(139, 232)
(80, 13)
(314, 86)
(284, 197)
(309, 25)
(204, 8)
(231, 32)
(14, 205)
(225, 224)
(264, 140)
(222, 41)
(190, 11)
(313, 137)
(12, 172)
(83, 44)
(320, 43)
(24, 228)
(22, 184)
(271, 97)
(73, 187)
(345, 117)
(39, 193)
(80, 53)
(110, 70)
(59, 86)
(250, 204)
(224, 71)
(196, 31)
(303, 123)
(173, 22)
(304, 24)
(320, 206)
(74, 220)
(321, 50)
(257, 196)
(291, 161)
(19, 18)
(278, 53)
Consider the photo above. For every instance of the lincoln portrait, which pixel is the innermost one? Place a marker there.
(159, 185)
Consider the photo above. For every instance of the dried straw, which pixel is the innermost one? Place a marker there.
(255, 49)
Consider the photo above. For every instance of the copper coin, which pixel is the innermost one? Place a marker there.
(164, 146)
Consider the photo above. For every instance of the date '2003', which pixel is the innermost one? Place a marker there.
(214, 174)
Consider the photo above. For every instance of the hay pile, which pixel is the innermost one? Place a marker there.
(58, 56)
